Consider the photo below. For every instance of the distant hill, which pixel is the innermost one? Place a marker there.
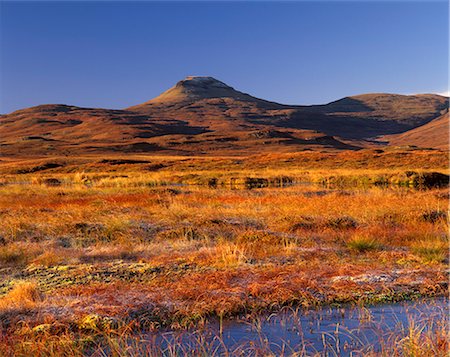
(193, 89)
(201, 115)
(434, 134)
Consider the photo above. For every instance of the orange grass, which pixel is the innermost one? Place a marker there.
(183, 254)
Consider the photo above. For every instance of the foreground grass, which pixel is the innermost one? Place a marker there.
(113, 255)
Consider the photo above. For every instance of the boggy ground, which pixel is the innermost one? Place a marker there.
(87, 256)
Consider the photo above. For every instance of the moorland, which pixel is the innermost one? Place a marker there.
(108, 247)
(207, 204)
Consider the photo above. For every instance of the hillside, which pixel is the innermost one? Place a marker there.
(201, 115)
(434, 134)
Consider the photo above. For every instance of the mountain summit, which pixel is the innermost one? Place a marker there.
(194, 88)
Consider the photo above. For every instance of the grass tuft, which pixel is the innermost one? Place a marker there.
(23, 295)
(431, 250)
(12, 255)
(363, 244)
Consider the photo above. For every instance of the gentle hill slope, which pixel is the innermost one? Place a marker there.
(434, 134)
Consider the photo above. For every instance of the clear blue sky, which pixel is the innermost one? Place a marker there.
(116, 54)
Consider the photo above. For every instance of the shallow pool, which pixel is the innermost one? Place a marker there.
(347, 331)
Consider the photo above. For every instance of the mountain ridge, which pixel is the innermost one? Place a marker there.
(205, 115)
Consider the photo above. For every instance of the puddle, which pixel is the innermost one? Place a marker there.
(348, 331)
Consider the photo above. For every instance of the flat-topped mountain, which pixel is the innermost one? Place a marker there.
(204, 115)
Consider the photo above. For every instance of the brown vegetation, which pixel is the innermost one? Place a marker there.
(93, 245)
